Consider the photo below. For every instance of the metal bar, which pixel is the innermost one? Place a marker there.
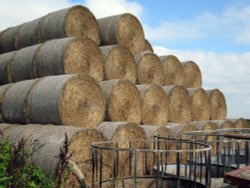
(100, 182)
(134, 174)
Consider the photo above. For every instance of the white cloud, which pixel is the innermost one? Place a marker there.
(105, 8)
(15, 12)
(228, 72)
(233, 23)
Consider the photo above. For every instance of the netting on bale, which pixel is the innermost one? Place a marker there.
(119, 63)
(53, 138)
(74, 100)
(149, 68)
(122, 100)
(69, 56)
(223, 124)
(69, 22)
(152, 131)
(5, 60)
(239, 123)
(155, 109)
(3, 90)
(124, 29)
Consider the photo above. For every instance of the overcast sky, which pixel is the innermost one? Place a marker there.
(213, 33)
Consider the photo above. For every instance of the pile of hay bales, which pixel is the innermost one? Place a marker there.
(69, 68)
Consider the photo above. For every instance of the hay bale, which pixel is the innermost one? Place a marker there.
(70, 22)
(74, 100)
(155, 110)
(53, 137)
(192, 74)
(119, 63)
(152, 131)
(200, 109)
(14, 101)
(180, 129)
(173, 70)
(204, 125)
(239, 123)
(123, 132)
(123, 101)
(5, 60)
(148, 46)
(149, 68)
(3, 90)
(218, 106)
(179, 104)
(22, 65)
(7, 39)
(223, 124)
(69, 56)
(28, 34)
(124, 29)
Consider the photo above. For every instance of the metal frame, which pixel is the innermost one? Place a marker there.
(161, 160)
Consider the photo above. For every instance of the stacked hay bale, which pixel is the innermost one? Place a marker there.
(69, 22)
(113, 55)
(53, 138)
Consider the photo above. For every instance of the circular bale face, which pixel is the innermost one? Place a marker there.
(218, 106)
(200, 108)
(83, 56)
(119, 63)
(124, 103)
(155, 109)
(129, 32)
(81, 102)
(149, 69)
(179, 104)
(80, 21)
(192, 73)
(173, 70)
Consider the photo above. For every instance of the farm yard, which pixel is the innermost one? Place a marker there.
(93, 90)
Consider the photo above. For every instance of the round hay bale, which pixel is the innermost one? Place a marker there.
(192, 74)
(7, 39)
(74, 100)
(53, 138)
(119, 63)
(69, 56)
(5, 60)
(179, 104)
(218, 106)
(173, 70)
(239, 123)
(180, 129)
(204, 125)
(155, 110)
(149, 68)
(70, 22)
(124, 29)
(22, 65)
(14, 101)
(223, 124)
(123, 132)
(3, 90)
(200, 109)
(148, 46)
(152, 131)
(28, 34)
(123, 101)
